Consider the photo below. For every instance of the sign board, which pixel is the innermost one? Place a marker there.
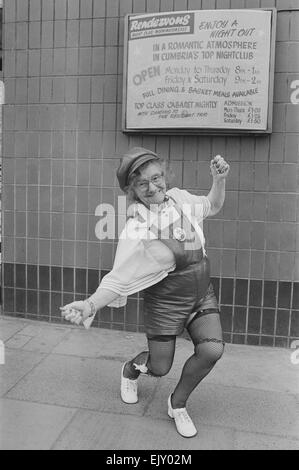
(208, 71)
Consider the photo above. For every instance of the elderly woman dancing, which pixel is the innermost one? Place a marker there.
(162, 252)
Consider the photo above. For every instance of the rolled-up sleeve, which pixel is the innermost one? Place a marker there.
(200, 206)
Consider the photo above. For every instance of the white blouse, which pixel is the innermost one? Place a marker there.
(141, 260)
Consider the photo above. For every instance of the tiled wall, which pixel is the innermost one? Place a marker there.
(62, 140)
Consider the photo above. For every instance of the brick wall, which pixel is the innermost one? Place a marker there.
(61, 143)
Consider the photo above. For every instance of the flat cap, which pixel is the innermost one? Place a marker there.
(129, 163)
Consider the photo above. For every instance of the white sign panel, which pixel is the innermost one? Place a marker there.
(207, 69)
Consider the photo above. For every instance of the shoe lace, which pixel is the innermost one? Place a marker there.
(182, 414)
(141, 367)
(131, 385)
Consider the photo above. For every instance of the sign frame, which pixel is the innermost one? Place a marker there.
(201, 130)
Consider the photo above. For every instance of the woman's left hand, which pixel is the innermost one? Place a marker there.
(219, 167)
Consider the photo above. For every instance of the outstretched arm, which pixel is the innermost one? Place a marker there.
(219, 170)
(78, 311)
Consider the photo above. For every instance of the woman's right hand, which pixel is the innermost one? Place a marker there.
(76, 312)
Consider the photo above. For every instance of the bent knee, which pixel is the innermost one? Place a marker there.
(158, 371)
(210, 350)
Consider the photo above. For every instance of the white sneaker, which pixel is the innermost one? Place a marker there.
(183, 422)
(128, 388)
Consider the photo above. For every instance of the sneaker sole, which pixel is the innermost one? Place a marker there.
(186, 437)
(128, 402)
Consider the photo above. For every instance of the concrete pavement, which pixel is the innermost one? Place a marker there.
(59, 389)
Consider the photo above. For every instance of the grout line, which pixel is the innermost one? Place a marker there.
(43, 356)
(69, 423)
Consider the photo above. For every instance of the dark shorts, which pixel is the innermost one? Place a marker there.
(169, 304)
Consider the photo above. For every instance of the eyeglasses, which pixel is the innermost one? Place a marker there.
(143, 185)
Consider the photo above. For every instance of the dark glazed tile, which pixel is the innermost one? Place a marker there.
(44, 304)
(79, 297)
(68, 279)
(239, 320)
(131, 312)
(226, 318)
(106, 326)
(21, 275)
(216, 284)
(8, 275)
(132, 328)
(31, 276)
(117, 326)
(255, 293)
(44, 277)
(56, 302)
(282, 323)
(241, 292)
(267, 341)
(284, 294)
(268, 321)
(270, 293)
(106, 314)
(80, 284)
(226, 337)
(118, 315)
(295, 323)
(281, 342)
(93, 280)
(32, 306)
(253, 340)
(254, 320)
(56, 278)
(295, 303)
(9, 300)
(238, 339)
(67, 298)
(227, 290)
(20, 301)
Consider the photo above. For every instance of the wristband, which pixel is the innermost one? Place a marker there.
(93, 309)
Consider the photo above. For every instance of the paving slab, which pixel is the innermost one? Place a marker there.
(249, 400)
(247, 366)
(17, 364)
(81, 383)
(255, 441)
(101, 343)
(35, 328)
(106, 431)
(31, 426)
(17, 341)
(45, 339)
(239, 408)
(264, 368)
(9, 327)
(261, 368)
